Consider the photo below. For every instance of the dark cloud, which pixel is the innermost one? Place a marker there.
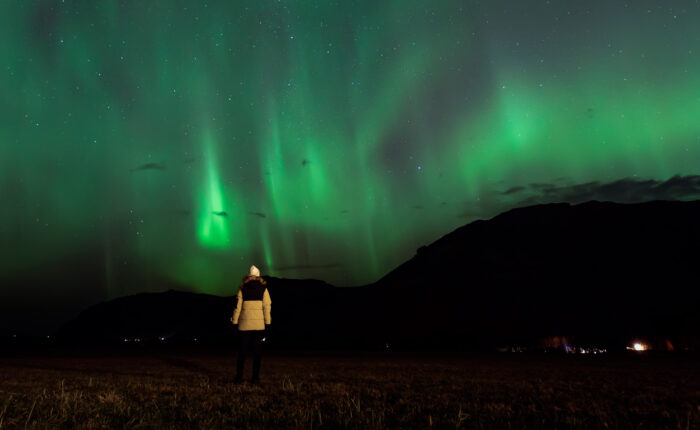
(513, 190)
(626, 190)
(149, 166)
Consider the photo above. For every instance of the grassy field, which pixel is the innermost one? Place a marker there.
(167, 389)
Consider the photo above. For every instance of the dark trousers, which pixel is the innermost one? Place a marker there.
(246, 338)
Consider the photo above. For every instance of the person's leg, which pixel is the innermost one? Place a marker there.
(257, 354)
(244, 337)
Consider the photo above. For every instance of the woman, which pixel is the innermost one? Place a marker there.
(251, 317)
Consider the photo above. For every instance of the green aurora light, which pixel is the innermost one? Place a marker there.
(336, 137)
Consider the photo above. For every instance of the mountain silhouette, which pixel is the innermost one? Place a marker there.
(599, 272)
(604, 272)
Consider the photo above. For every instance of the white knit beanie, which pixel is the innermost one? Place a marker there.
(254, 271)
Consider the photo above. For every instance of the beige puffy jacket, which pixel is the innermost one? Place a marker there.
(253, 305)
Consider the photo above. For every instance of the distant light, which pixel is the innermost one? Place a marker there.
(639, 347)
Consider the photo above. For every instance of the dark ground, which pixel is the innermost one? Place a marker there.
(169, 388)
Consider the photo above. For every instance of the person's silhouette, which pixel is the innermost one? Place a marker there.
(252, 318)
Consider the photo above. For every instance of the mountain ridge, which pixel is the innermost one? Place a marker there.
(595, 270)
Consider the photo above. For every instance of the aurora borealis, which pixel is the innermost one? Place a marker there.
(321, 139)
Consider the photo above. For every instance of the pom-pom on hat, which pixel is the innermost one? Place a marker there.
(254, 271)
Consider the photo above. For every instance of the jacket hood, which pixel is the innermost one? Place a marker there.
(249, 278)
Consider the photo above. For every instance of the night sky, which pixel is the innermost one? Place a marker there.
(323, 139)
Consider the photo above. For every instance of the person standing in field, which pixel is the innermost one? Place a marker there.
(251, 317)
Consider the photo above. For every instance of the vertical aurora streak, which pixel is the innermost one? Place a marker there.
(212, 219)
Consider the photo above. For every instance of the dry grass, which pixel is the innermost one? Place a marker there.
(494, 391)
